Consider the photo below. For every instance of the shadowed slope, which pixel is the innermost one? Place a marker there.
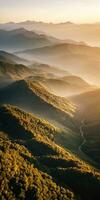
(88, 105)
(21, 39)
(11, 58)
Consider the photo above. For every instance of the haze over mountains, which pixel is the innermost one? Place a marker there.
(49, 111)
(20, 39)
(88, 33)
(80, 60)
(65, 86)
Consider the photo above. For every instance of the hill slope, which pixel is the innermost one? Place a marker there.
(10, 72)
(88, 105)
(14, 71)
(33, 97)
(88, 101)
(27, 151)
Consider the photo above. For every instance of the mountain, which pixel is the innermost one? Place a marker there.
(11, 58)
(57, 81)
(21, 39)
(88, 33)
(77, 59)
(33, 97)
(13, 71)
(37, 68)
(10, 69)
(37, 163)
(25, 179)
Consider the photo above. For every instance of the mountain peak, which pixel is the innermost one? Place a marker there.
(66, 23)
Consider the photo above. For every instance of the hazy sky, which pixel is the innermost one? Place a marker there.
(50, 10)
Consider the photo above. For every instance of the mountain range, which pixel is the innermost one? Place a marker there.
(49, 111)
(58, 81)
(88, 33)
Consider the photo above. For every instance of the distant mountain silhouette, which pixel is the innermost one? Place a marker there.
(21, 39)
(88, 33)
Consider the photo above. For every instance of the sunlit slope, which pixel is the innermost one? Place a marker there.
(12, 68)
(30, 151)
(14, 71)
(20, 179)
(33, 97)
(10, 72)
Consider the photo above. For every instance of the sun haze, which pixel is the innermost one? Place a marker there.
(79, 11)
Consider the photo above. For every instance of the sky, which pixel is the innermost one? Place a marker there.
(56, 11)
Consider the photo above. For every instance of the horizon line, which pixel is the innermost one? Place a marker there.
(50, 22)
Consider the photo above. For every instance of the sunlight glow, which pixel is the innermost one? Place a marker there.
(43, 10)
